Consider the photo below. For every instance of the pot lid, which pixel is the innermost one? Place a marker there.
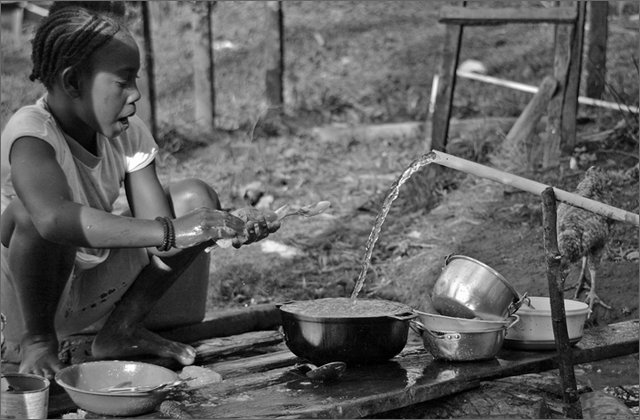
(345, 308)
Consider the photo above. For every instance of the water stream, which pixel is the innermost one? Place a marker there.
(414, 167)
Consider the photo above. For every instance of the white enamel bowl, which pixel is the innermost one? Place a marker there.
(535, 330)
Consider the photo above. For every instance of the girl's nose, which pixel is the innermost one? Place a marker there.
(135, 94)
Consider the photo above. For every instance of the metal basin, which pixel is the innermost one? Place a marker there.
(337, 329)
(86, 384)
(468, 288)
(464, 346)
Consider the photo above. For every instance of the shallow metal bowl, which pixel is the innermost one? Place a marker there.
(87, 384)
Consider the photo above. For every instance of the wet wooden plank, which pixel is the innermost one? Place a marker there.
(411, 378)
(254, 364)
(267, 387)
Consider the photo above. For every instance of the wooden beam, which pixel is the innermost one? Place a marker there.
(498, 16)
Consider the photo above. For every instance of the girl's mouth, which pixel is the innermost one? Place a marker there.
(124, 122)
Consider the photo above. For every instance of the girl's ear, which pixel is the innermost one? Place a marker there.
(70, 81)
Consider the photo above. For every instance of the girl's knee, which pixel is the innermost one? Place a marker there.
(16, 216)
(190, 194)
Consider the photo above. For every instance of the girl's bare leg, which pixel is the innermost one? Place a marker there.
(123, 333)
(40, 270)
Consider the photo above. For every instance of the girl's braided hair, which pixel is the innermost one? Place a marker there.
(66, 38)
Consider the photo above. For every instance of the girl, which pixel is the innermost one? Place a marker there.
(68, 262)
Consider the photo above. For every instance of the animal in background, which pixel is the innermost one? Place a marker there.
(582, 235)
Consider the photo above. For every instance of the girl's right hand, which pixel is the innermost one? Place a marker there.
(205, 224)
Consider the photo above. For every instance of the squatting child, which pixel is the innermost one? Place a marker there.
(68, 262)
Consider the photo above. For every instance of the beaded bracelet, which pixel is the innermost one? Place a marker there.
(169, 240)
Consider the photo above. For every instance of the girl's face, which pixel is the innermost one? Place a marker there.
(109, 91)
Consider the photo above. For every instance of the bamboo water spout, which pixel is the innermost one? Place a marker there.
(533, 187)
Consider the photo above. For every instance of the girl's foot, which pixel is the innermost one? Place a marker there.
(137, 340)
(39, 356)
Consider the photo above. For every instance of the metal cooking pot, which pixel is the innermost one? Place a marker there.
(468, 288)
(340, 329)
(464, 346)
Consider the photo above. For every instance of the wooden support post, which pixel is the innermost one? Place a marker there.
(274, 56)
(556, 296)
(597, 48)
(551, 150)
(148, 57)
(445, 87)
(203, 69)
(572, 86)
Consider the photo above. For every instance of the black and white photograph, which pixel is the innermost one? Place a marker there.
(385, 209)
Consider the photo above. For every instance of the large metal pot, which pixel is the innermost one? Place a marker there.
(468, 288)
(359, 331)
(464, 346)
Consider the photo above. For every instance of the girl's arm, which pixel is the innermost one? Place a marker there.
(42, 187)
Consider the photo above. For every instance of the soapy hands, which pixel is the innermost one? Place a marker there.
(205, 225)
(258, 224)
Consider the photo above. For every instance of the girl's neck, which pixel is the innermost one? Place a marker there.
(72, 126)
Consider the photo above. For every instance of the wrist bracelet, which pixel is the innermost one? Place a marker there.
(169, 240)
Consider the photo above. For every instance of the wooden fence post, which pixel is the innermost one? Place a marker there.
(597, 48)
(274, 56)
(203, 66)
(572, 85)
(445, 87)
(556, 297)
(148, 57)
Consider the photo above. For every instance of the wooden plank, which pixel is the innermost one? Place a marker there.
(261, 363)
(498, 16)
(209, 349)
(409, 379)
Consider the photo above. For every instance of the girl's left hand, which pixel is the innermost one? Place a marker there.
(258, 225)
